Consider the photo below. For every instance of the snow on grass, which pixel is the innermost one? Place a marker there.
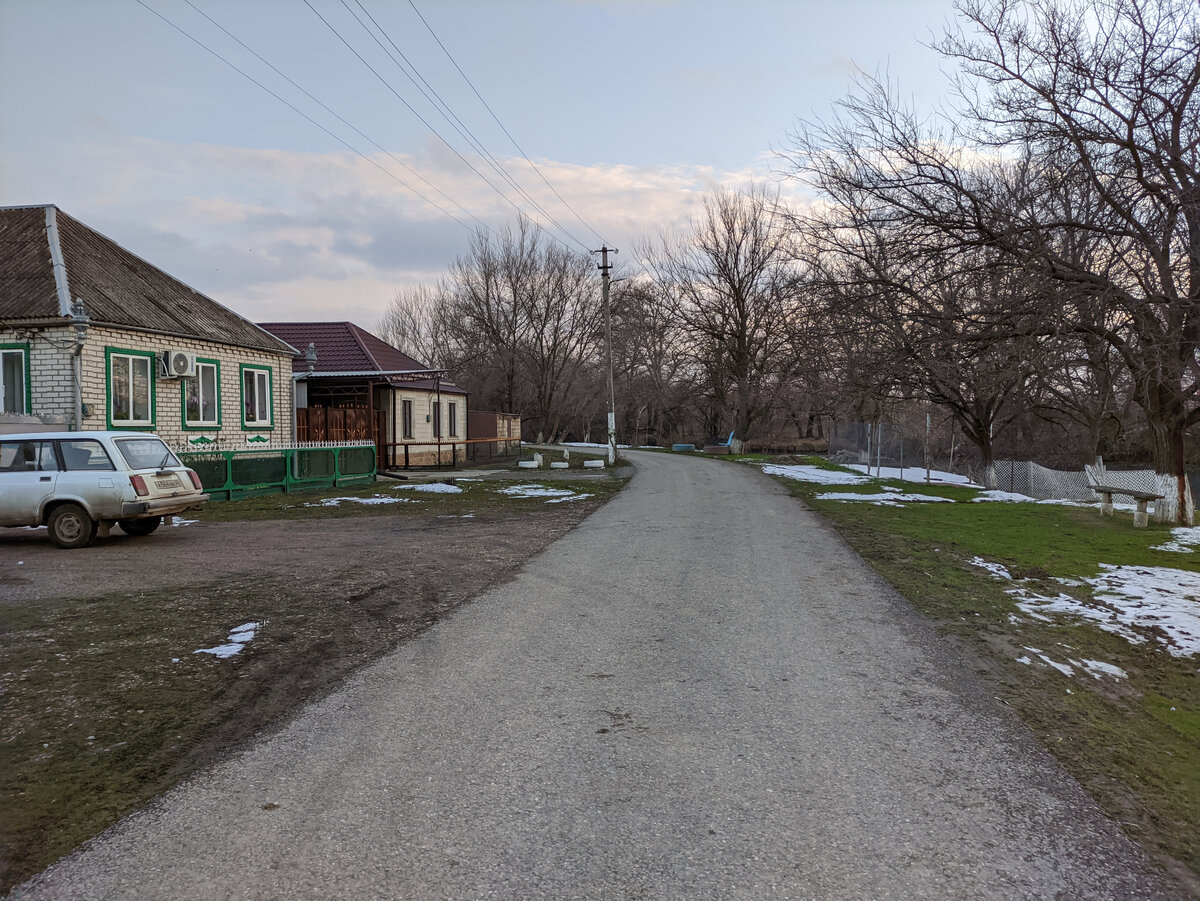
(1099, 668)
(803, 472)
(555, 495)
(889, 498)
(913, 474)
(1009, 497)
(177, 521)
(1156, 598)
(1182, 540)
(238, 638)
(573, 497)
(1063, 668)
(432, 488)
(999, 570)
(374, 499)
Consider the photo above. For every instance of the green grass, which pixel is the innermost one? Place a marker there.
(1135, 743)
(480, 498)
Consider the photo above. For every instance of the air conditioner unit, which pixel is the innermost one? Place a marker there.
(177, 364)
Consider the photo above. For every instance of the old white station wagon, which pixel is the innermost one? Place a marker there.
(78, 484)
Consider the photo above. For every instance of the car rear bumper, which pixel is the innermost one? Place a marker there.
(162, 506)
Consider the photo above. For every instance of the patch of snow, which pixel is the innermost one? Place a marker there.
(1099, 668)
(177, 521)
(375, 499)
(1010, 497)
(1061, 667)
(889, 498)
(998, 570)
(814, 474)
(1155, 597)
(238, 638)
(1182, 540)
(432, 488)
(914, 474)
(534, 491)
(1026, 659)
(573, 497)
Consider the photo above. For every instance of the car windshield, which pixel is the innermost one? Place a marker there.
(146, 453)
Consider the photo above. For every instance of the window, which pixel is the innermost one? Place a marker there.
(14, 386)
(146, 453)
(452, 413)
(202, 397)
(406, 418)
(130, 388)
(85, 454)
(28, 456)
(437, 420)
(256, 398)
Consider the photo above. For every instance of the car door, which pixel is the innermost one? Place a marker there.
(28, 474)
(90, 476)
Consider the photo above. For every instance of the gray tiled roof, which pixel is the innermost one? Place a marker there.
(117, 288)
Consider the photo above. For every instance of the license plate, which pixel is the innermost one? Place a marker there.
(166, 483)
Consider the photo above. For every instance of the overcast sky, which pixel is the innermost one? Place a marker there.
(631, 110)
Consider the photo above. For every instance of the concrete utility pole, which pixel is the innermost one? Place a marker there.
(604, 266)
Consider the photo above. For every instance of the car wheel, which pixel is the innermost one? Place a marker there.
(137, 527)
(71, 527)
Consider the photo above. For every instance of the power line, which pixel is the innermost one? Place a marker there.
(455, 122)
(450, 57)
(300, 112)
(422, 119)
(331, 112)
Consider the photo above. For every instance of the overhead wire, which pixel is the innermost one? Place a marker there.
(492, 112)
(426, 123)
(303, 114)
(333, 113)
(455, 122)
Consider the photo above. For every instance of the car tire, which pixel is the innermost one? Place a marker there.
(139, 527)
(71, 527)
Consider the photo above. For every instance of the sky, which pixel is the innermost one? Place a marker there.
(615, 117)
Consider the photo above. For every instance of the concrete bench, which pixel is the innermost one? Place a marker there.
(1142, 498)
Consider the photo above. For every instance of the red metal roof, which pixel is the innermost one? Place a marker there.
(346, 347)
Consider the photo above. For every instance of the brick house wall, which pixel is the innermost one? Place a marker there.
(52, 386)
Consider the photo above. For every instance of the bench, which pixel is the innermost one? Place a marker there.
(1143, 498)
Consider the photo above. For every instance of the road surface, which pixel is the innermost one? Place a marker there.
(701, 692)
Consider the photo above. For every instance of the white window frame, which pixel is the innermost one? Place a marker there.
(118, 358)
(23, 394)
(215, 421)
(262, 388)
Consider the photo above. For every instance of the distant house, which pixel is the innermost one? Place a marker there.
(94, 337)
(353, 385)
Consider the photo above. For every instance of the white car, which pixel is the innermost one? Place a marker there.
(78, 484)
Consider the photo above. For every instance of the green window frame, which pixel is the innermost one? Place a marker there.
(194, 393)
(8, 395)
(257, 397)
(122, 367)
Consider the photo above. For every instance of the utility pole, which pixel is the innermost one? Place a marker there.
(604, 266)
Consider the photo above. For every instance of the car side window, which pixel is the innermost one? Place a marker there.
(85, 454)
(28, 456)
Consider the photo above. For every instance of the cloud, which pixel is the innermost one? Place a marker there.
(280, 235)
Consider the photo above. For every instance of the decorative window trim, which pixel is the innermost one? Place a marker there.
(139, 425)
(255, 426)
(200, 426)
(24, 348)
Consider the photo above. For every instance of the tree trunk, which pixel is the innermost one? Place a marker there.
(1171, 479)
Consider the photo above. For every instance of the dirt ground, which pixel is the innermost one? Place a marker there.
(101, 681)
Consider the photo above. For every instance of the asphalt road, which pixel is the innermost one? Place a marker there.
(699, 693)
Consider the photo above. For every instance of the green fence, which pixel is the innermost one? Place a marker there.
(228, 475)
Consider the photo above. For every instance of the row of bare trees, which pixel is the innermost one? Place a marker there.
(1029, 256)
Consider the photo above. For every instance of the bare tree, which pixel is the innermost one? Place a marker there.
(1078, 159)
(735, 279)
(415, 323)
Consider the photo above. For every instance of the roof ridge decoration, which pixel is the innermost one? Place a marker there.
(56, 259)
